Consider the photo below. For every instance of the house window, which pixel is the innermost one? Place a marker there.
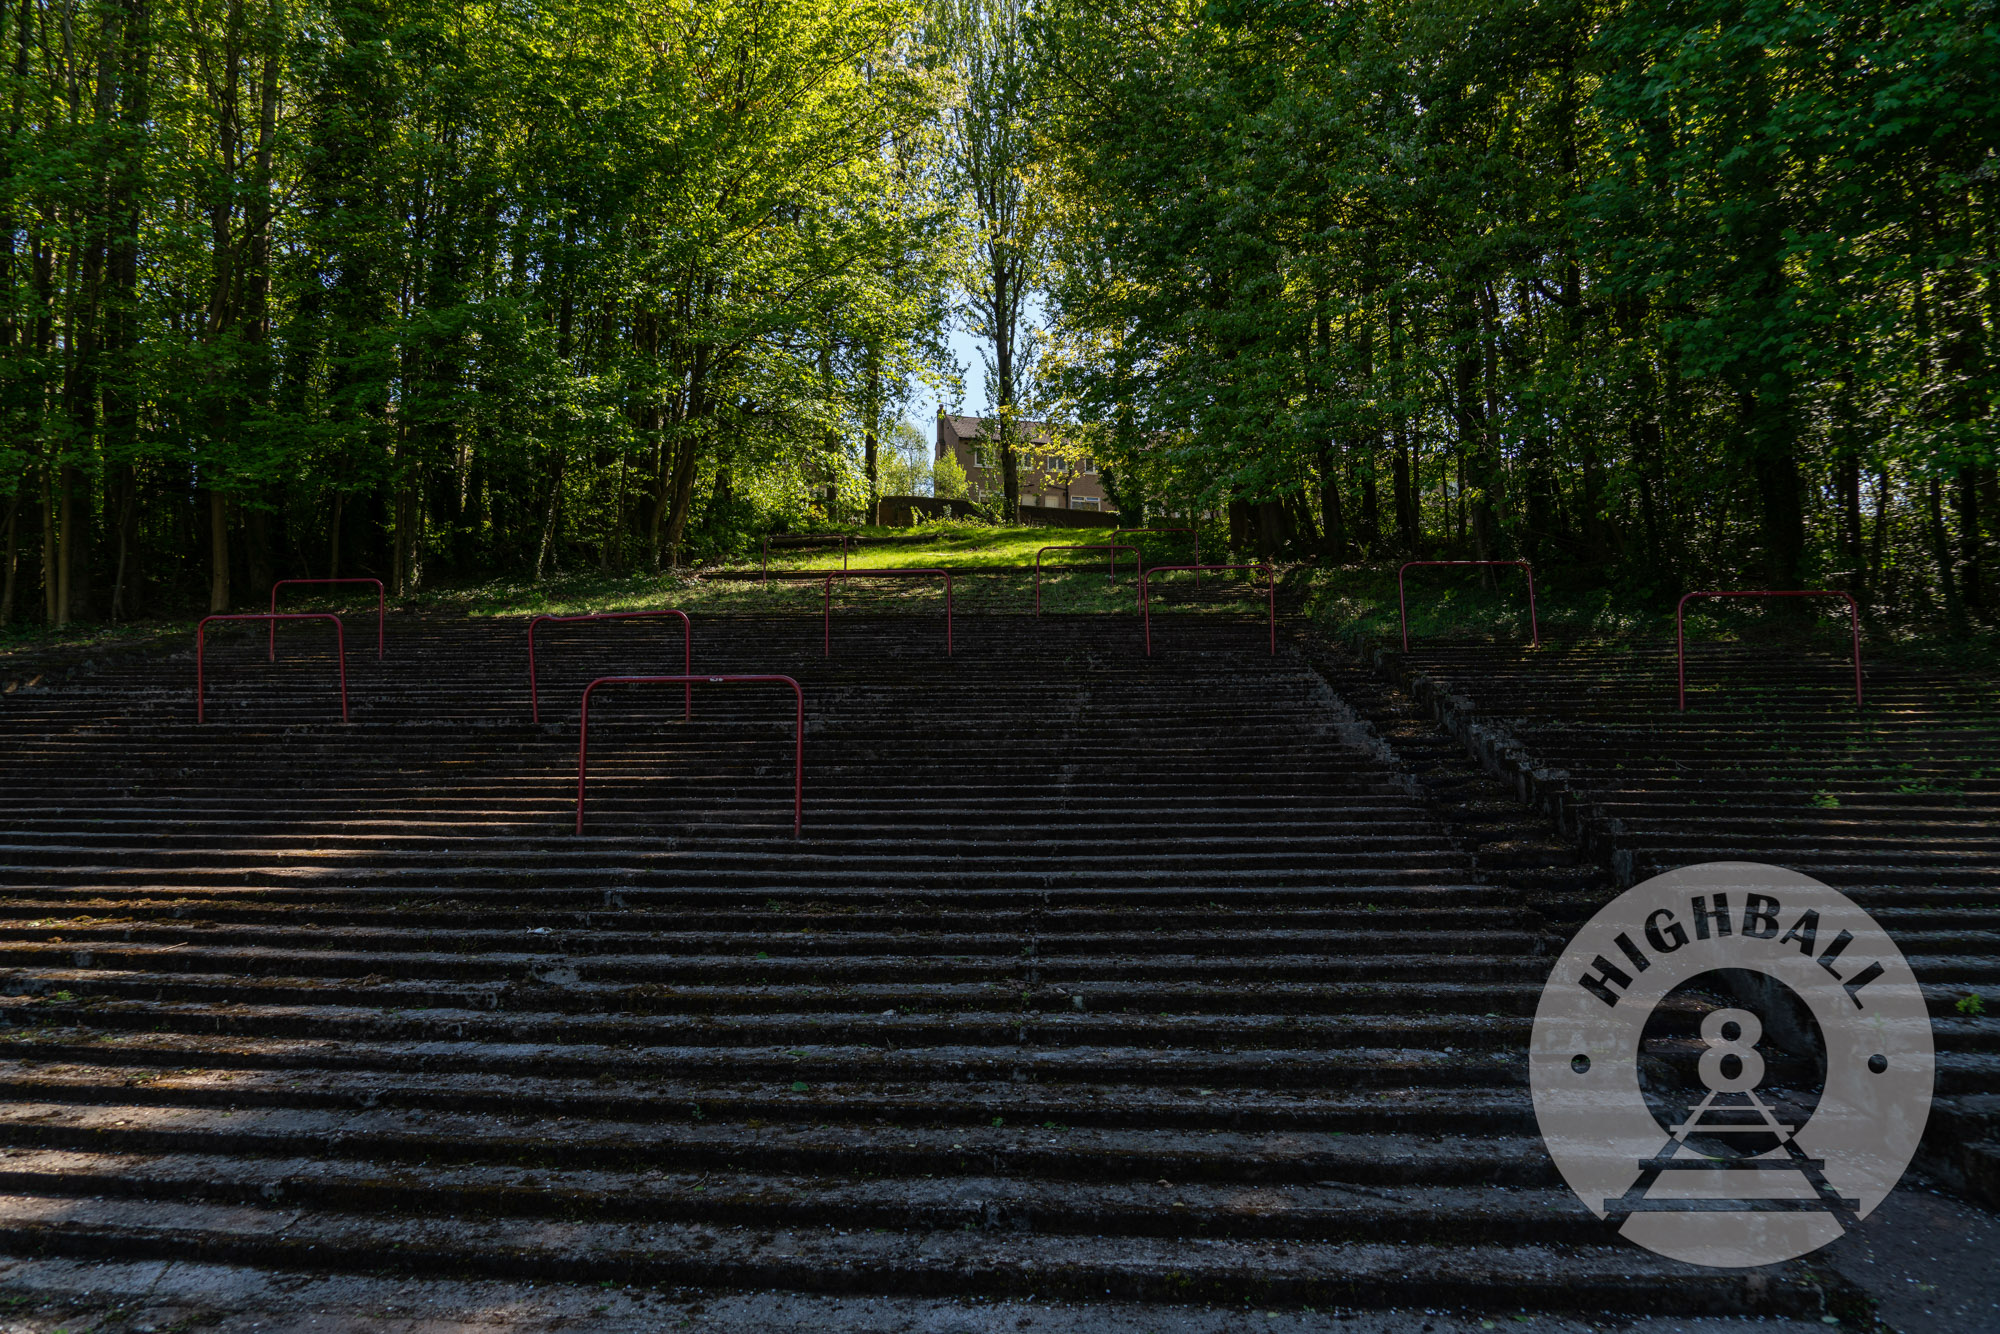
(1083, 502)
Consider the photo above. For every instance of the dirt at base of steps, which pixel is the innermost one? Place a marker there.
(48, 1296)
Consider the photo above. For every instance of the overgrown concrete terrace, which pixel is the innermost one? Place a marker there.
(1187, 982)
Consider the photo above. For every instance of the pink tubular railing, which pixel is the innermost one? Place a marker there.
(201, 632)
(826, 603)
(1113, 547)
(1146, 608)
(687, 649)
(828, 538)
(1680, 640)
(381, 609)
(798, 744)
(1403, 605)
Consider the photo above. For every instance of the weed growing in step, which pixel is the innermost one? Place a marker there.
(1972, 1005)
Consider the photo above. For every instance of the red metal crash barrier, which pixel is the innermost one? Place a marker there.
(808, 537)
(381, 608)
(687, 649)
(1680, 640)
(1145, 603)
(798, 745)
(1403, 605)
(1113, 547)
(826, 602)
(200, 636)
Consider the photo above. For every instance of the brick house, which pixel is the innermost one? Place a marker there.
(1040, 473)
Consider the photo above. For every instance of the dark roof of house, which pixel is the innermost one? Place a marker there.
(974, 428)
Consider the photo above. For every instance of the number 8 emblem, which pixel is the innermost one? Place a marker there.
(1764, 1162)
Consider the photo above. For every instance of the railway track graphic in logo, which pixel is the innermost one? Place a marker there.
(1732, 1063)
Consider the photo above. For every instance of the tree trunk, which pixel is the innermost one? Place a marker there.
(1878, 536)
(1782, 516)
(1966, 497)
(1404, 496)
(125, 509)
(545, 549)
(1003, 365)
(1954, 608)
(407, 555)
(1239, 527)
(1273, 528)
(13, 559)
(1590, 500)
(1844, 430)
(664, 457)
(1764, 424)
(651, 423)
(1333, 523)
(1486, 471)
(1299, 515)
(333, 522)
(120, 380)
(1470, 421)
(1405, 486)
(870, 441)
(1458, 476)
(1847, 495)
(48, 548)
(218, 553)
(687, 455)
(257, 550)
(1010, 476)
(67, 544)
(1370, 441)
(1371, 515)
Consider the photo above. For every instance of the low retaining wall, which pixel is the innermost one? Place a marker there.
(1039, 516)
(902, 511)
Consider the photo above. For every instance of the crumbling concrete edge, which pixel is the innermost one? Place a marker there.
(1500, 753)
(1357, 732)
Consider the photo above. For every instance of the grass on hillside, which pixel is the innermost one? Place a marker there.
(733, 588)
(1351, 602)
(956, 545)
(1064, 591)
(1358, 603)
(1072, 581)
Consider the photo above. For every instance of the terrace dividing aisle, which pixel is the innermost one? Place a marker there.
(1092, 977)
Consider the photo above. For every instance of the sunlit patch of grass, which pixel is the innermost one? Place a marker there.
(954, 546)
(1073, 582)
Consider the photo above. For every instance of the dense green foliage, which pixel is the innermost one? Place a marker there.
(366, 286)
(1676, 289)
(1666, 291)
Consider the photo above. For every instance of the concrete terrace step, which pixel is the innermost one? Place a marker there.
(987, 1261)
